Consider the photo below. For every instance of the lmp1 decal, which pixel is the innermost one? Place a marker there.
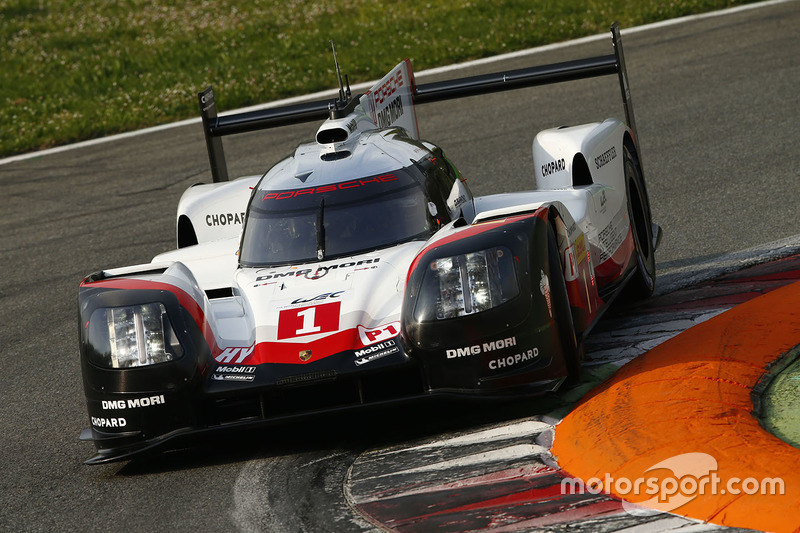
(378, 334)
(311, 320)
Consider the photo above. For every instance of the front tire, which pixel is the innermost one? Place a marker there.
(644, 281)
(562, 313)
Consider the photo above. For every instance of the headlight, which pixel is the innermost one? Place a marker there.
(467, 284)
(133, 336)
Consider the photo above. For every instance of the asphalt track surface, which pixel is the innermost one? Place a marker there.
(716, 105)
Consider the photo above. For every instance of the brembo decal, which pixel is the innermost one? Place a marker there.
(311, 320)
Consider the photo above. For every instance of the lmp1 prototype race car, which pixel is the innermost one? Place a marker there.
(361, 271)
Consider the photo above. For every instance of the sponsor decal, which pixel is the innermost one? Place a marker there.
(302, 321)
(234, 373)
(376, 356)
(610, 239)
(317, 273)
(390, 113)
(574, 256)
(378, 351)
(511, 360)
(234, 355)
(544, 287)
(285, 195)
(481, 348)
(381, 333)
(393, 82)
(99, 422)
(553, 166)
(605, 158)
(375, 348)
(317, 298)
(235, 370)
(133, 403)
(233, 377)
(225, 219)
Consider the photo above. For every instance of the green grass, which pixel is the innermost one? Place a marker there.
(77, 70)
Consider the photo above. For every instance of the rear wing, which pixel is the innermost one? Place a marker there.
(216, 127)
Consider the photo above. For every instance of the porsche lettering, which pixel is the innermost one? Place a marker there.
(388, 88)
(352, 184)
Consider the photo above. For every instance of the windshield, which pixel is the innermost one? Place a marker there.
(316, 223)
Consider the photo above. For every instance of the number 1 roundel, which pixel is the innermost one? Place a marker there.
(301, 321)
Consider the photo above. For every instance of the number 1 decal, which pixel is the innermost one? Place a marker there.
(308, 320)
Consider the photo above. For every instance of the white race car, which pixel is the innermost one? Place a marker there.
(361, 271)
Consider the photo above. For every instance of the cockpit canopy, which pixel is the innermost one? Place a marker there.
(316, 223)
(311, 207)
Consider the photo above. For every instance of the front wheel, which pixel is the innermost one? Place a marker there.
(562, 313)
(644, 281)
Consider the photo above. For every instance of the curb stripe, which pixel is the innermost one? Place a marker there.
(692, 394)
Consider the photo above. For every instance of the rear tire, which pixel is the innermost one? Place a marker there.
(644, 281)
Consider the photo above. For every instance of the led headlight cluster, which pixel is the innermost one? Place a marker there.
(135, 336)
(473, 282)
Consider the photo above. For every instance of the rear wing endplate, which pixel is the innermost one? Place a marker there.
(216, 127)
